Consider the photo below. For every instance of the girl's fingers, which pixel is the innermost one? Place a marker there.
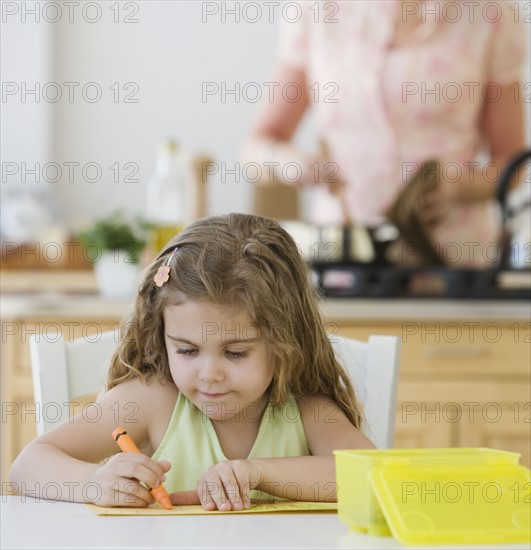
(230, 491)
(207, 499)
(131, 493)
(141, 467)
(141, 472)
(164, 464)
(225, 486)
(213, 496)
(243, 475)
(123, 492)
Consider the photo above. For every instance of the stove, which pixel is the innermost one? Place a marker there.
(360, 280)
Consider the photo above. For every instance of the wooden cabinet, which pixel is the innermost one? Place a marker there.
(462, 384)
(19, 409)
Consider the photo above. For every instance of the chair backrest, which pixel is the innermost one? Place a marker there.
(373, 369)
(63, 371)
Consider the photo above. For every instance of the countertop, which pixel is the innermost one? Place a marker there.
(74, 295)
(91, 306)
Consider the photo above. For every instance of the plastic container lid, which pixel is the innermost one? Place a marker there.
(470, 504)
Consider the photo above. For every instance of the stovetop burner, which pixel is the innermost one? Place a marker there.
(359, 280)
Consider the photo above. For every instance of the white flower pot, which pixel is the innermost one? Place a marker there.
(116, 275)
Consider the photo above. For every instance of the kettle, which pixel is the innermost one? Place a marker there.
(516, 215)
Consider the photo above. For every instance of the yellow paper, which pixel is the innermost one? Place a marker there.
(196, 509)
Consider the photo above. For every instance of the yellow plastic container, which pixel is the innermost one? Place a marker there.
(435, 496)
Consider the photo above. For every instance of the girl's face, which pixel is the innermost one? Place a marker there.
(218, 359)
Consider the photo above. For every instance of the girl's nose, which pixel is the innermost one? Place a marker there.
(211, 371)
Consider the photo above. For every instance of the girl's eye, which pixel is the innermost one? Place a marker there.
(236, 354)
(186, 351)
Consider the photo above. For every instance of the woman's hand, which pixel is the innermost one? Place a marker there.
(225, 486)
(472, 187)
(322, 171)
(119, 480)
(435, 205)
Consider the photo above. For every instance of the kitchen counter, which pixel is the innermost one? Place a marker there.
(74, 294)
(344, 309)
(49, 304)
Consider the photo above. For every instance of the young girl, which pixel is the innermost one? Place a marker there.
(233, 382)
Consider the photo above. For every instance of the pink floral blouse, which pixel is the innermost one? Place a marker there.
(384, 110)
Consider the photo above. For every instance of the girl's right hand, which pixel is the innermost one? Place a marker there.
(119, 480)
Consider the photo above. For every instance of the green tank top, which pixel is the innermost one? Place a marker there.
(192, 446)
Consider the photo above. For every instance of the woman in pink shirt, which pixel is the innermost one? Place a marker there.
(395, 83)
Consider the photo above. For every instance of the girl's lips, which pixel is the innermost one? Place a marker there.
(214, 395)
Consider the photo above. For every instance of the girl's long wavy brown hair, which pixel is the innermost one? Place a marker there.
(251, 263)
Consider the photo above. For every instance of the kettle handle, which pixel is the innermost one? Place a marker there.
(505, 179)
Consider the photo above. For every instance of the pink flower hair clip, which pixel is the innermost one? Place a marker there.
(163, 272)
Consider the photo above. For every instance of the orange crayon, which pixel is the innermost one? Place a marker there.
(124, 441)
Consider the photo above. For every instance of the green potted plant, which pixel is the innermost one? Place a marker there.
(114, 245)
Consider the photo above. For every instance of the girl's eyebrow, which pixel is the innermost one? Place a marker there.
(174, 338)
(225, 342)
(241, 341)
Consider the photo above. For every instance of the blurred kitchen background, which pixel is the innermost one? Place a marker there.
(151, 62)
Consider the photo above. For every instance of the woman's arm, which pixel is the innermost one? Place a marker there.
(502, 125)
(278, 118)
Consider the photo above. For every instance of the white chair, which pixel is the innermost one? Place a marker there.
(373, 369)
(64, 371)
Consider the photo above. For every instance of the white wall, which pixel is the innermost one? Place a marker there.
(168, 55)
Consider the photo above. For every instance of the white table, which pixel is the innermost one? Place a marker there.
(30, 523)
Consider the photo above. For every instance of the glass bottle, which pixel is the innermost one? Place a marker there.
(167, 194)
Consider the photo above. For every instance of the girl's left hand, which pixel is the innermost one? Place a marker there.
(225, 486)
